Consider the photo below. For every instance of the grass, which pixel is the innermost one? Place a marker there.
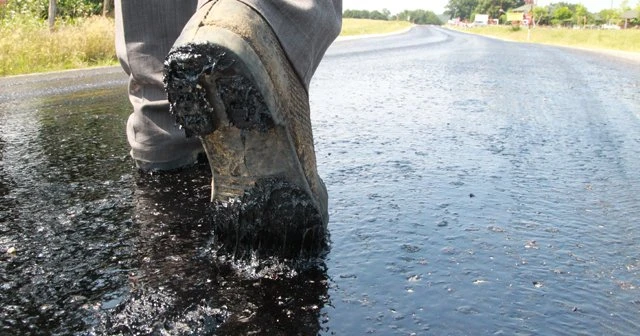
(352, 27)
(624, 40)
(28, 46)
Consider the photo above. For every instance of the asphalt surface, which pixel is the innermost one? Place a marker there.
(476, 187)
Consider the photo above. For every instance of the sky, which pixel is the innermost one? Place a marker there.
(437, 6)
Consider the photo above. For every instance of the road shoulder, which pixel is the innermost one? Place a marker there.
(627, 55)
(357, 37)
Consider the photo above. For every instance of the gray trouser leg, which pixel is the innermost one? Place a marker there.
(144, 34)
(146, 31)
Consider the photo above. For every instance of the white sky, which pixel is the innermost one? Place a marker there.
(437, 6)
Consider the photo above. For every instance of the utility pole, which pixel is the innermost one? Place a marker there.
(531, 19)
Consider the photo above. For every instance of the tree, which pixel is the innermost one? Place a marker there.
(419, 16)
(581, 15)
(491, 7)
(461, 8)
(386, 13)
(561, 15)
(496, 7)
(425, 17)
(356, 14)
(106, 6)
(541, 15)
(554, 6)
(609, 15)
(53, 8)
(376, 15)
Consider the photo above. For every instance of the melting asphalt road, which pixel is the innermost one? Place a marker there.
(476, 187)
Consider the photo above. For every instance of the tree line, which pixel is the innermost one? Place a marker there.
(560, 13)
(66, 9)
(576, 14)
(50, 10)
(418, 16)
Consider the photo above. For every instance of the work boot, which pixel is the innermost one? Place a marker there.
(230, 83)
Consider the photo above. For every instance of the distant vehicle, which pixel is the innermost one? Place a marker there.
(481, 20)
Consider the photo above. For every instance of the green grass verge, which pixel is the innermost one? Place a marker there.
(625, 40)
(352, 27)
(28, 46)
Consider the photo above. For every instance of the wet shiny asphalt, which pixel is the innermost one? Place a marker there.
(477, 187)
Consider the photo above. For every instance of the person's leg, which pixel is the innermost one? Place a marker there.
(144, 34)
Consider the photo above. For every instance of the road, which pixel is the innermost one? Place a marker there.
(476, 187)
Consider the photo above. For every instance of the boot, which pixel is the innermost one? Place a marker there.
(230, 83)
